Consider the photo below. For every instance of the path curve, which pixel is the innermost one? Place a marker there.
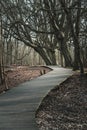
(18, 105)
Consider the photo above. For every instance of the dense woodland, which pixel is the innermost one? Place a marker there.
(51, 32)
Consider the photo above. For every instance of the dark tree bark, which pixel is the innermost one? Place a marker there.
(58, 33)
(1, 53)
(75, 32)
(66, 54)
(33, 22)
(44, 56)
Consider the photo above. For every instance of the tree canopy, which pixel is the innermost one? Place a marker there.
(47, 26)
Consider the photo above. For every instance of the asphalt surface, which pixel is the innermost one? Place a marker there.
(18, 105)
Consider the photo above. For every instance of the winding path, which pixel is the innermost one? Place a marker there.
(18, 105)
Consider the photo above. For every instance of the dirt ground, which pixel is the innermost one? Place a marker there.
(65, 106)
(15, 75)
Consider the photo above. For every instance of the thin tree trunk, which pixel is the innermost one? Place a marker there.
(1, 73)
(65, 52)
(78, 56)
(76, 64)
(61, 58)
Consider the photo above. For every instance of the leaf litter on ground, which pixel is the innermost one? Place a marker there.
(65, 106)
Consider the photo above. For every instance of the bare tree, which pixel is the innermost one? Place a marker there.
(23, 27)
(73, 14)
(47, 25)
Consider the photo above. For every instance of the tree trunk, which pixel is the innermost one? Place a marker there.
(58, 33)
(1, 76)
(52, 56)
(77, 59)
(76, 63)
(61, 58)
(86, 57)
(66, 54)
(16, 52)
(1, 72)
(42, 53)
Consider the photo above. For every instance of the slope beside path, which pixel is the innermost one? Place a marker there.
(18, 105)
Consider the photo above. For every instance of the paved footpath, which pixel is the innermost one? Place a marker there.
(18, 105)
